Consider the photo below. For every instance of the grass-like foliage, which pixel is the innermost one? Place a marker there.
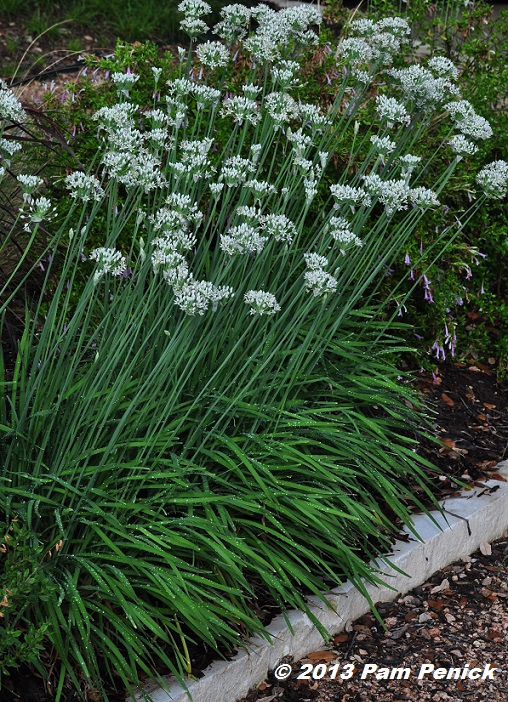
(217, 415)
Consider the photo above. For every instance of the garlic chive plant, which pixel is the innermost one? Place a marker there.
(215, 414)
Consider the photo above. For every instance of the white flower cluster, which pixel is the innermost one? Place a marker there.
(213, 54)
(391, 110)
(8, 148)
(393, 194)
(285, 73)
(278, 32)
(193, 10)
(108, 261)
(339, 229)
(467, 121)
(281, 107)
(383, 145)
(345, 194)
(242, 239)
(443, 67)
(260, 188)
(206, 96)
(196, 296)
(317, 280)
(10, 106)
(29, 184)
(128, 159)
(194, 160)
(236, 170)
(408, 163)
(312, 115)
(420, 87)
(462, 146)
(423, 198)
(241, 109)
(83, 186)
(373, 41)
(233, 26)
(261, 302)
(493, 179)
(279, 227)
(124, 82)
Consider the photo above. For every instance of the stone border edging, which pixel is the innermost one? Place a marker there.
(467, 522)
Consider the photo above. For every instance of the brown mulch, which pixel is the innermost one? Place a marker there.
(457, 619)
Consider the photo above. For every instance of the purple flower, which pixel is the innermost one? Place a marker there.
(407, 260)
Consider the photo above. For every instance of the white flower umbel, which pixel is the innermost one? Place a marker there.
(194, 8)
(311, 115)
(462, 146)
(124, 82)
(260, 188)
(391, 110)
(84, 187)
(443, 67)
(314, 261)
(422, 88)
(206, 96)
(29, 184)
(279, 227)
(213, 54)
(355, 51)
(383, 145)
(261, 302)
(108, 261)
(193, 26)
(241, 109)
(281, 107)
(285, 73)
(233, 26)
(339, 229)
(158, 118)
(408, 164)
(116, 117)
(10, 106)
(345, 194)
(423, 198)
(176, 111)
(236, 170)
(41, 209)
(8, 148)
(393, 194)
(493, 179)
(196, 296)
(134, 170)
(467, 121)
(319, 282)
(242, 239)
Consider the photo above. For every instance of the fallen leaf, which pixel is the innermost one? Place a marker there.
(447, 400)
(341, 638)
(489, 406)
(482, 417)
(445, 585)
(322, 656)
(475, 369)
(486, 549)
(449, 442)
(470, 396)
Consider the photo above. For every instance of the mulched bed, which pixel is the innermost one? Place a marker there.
(471, 421)
(458, 618)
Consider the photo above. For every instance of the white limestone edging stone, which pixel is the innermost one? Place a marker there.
(479, 516)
